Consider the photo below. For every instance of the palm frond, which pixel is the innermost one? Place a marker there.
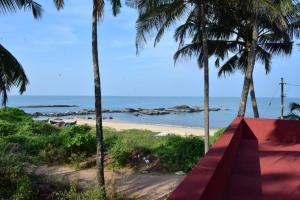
(229, 67)
(8, 6)
(116, 6)
(59, 4)
(265, 57)
(157, 15)
(12, 73)
(294, 106)
(188, 50)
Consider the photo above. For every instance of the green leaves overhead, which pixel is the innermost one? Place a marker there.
(59, 4)
(9, 6)
(11, 74)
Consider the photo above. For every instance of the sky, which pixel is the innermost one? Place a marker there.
(55, 52)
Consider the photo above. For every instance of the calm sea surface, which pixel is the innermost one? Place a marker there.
(268, 107)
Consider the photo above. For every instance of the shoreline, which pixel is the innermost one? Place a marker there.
(160, 128)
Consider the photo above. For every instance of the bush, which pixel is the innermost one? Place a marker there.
(14, 183)
(109, 142)
(37, 128)
(121, 151)
(7, 128)
(52, 154)
(14, 115)
(79, 139)
(73, 194)
(180, 153)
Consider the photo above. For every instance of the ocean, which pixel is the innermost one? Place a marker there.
(268, 107)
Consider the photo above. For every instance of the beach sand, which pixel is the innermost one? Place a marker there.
(160, 128)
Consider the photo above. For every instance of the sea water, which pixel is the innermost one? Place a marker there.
(268, 107)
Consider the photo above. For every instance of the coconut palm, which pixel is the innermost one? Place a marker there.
(202, 22)
(160, 15)
(12, 73)
(97, 15)
(278, 12)
(270, 42)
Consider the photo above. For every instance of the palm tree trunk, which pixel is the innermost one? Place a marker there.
(98, 106)
(206, 78)
(249, 71)
(253, 100)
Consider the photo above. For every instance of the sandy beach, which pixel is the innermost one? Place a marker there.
(123, 125)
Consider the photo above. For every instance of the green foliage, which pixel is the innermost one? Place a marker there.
(76, 158)
(14, 115)
(88, 194)
(216, 135)
(14, 183)
(7, 128)
(74, 194)
(180, 153)
(79, 139)
(52, 154)
(121, 151)
(37, 128)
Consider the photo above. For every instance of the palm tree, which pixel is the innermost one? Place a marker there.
(11, 71)
(277, 12)
(11, 74)
(97, 14)
(160, 15)
(270, 42)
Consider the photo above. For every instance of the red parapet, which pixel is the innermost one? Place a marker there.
(254, 159)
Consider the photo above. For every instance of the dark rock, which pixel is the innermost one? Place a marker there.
(130, 110)
(48, 106)
(214, 109)
(181, 107)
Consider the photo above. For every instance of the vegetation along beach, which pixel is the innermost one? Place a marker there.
(132, 99)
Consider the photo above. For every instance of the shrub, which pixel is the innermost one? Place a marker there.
(73, 194)
(37, 128)
(52, 154)
(76, 158)
(120, 151)
(14, 115)
(14, 183)
(79, 139)
(180, 153)
(7, 128)
(109, 142)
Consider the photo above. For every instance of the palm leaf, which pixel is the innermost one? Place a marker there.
(294, 106)
(12, 73)
(14, 5)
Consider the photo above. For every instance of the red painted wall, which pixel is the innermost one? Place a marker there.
(209, 178)
(214, 169)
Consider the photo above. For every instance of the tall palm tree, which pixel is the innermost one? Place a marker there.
(271, 41)
(97, 15)
(276, 11)
(160, 15)
(11, 71)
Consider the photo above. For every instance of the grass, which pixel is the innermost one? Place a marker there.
(23, 140)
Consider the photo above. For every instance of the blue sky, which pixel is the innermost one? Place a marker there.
(56, 54)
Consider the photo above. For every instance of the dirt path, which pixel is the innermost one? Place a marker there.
(151, 186)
